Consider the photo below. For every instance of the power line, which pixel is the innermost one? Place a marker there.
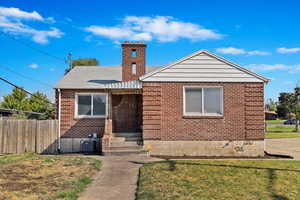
(22, 75)
(32, 47)
(18, 87)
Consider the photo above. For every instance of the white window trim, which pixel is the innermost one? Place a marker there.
(202, 113)
(90, 116)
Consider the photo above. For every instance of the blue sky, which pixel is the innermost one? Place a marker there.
(260, 35)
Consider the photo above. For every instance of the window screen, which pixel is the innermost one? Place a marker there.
(203, 101)
(91, 105)
(193, 100)
(84, 105)
(212, 101)
(99, 104)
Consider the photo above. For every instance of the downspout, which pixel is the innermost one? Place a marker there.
(59, 118)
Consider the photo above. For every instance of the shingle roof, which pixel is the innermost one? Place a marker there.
(94, 77)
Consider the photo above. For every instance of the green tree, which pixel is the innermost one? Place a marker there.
(284, 104)
(16, 100)
(83, 62)
(40, 103)
(271, 105)
(289, 105)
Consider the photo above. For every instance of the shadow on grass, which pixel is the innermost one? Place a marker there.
(271, 174)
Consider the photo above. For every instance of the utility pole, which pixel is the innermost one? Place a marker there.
(69, 62)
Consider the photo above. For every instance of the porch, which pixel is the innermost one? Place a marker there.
(123, 125)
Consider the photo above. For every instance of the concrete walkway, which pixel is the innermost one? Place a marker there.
(289, 146)
(117, 179)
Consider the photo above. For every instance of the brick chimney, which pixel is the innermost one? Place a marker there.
(133, 60)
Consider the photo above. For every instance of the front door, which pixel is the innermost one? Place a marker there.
(127, 112)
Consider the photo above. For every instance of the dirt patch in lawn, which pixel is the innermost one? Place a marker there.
(31, 176)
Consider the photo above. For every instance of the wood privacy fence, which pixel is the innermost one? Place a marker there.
(19, 136)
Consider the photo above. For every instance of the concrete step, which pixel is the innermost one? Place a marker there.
(131, 134)
(114, 143)
(133, 139)
(137, 147)
(124, 152)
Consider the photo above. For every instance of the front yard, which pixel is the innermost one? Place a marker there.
(220, 180)
(277, 130)
(32, 176)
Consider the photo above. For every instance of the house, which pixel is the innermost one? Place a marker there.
(199, 105)
(6, 113)
(270, 115)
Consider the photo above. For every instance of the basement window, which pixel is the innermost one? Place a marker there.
(133, 53)
(133, 68)
(203, 101)
(90, 105)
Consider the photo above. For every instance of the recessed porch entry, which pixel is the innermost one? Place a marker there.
(126, 113)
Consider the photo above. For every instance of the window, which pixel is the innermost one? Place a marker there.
(133, 53)
(203, 101)
(133, 68)
(91, 105)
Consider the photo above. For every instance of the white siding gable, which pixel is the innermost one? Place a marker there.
(203, 66)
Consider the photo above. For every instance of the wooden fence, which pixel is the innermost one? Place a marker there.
(19, 136)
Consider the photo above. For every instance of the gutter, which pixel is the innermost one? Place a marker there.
(59, 118)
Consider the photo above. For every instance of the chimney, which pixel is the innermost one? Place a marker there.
(133, 60)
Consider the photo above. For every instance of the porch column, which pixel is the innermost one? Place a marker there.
(108, 125)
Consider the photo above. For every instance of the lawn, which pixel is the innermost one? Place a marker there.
(220, 180)
(31, 176)
(281, 131)
(275, 121)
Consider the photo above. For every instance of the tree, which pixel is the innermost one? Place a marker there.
(83, 62)
(282, 111)
(284, 104)
(295, 106)
(289, 105)
(271, 105)
(16, 100)
(40, 103)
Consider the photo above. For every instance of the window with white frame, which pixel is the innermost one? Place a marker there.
(203, 101)
(91, 105)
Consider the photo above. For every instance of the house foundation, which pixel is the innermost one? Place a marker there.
(246, 148)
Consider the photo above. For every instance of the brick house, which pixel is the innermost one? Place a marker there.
(200, 105)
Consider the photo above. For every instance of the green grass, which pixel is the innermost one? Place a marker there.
(275, 121)
(32, 176)
(282, 135)
(283, 131)
(220, 180)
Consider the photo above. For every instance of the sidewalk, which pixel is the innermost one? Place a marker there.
(117, 179)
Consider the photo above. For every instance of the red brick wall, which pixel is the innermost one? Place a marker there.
(163, 113)
(127, 61)
(127, 115)
(77, 128)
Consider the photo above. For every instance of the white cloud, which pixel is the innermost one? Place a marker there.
(231, 50)
(260, 53)
(12, 21)
(17, 13)
(266, 67)
(238, 51)
(275, 67)
(34, 66)
(284, 50)
(160, 28)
